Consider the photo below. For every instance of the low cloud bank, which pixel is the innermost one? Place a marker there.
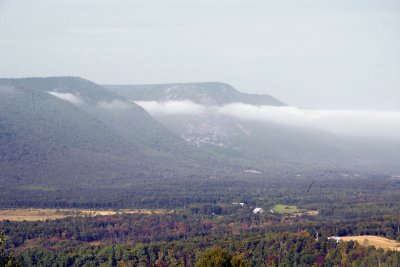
(185, 107)
(345, 122)
(74, 99)
(113, 105)
(348, 122)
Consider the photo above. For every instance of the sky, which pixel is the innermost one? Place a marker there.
(322, 54)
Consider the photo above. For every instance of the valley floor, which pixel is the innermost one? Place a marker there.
(34, 214)
(175, 224)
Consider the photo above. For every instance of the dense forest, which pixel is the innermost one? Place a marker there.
(205, 226)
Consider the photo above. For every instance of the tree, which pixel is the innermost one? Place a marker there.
(5, 260)
(239, 261)
(215, 257)
(218, 257)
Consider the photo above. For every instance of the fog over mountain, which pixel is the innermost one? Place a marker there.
(367, 123)
(265, 131)
(69, 131)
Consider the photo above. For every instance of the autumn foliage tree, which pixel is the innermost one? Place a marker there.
(218, 257)
(5, 260)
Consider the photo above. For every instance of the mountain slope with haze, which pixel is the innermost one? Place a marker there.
(67, 131)
(205, 114)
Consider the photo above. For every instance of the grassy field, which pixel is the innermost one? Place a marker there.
(376, 241)
(53, 214)
(284, 209)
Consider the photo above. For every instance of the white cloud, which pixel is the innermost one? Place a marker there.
(185, 107)
(344, 122)
(74, 99)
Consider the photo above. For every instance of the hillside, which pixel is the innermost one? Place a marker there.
(205, 115)
(65, 140)
(64, 131)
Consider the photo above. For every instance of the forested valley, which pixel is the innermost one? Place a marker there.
(222, 224)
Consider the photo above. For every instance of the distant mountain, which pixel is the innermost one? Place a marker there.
(123, 117)
(208, 93)
(66, 142)
(68, 132)
(265, 145)
(200, 130)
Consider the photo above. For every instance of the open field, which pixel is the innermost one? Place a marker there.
(282, 209)
(53, 214)
(376, 241)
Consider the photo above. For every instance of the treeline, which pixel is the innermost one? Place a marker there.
(181, 238)
(334, 197)
(284, 249)
(181, 225)
(205, 217)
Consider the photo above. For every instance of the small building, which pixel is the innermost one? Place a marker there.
(258, 211)
(241, 204)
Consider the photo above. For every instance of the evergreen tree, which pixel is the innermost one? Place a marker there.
(5, 260)
(215, 257)
(218, 257)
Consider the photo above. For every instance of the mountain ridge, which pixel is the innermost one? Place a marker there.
(268, 145)
(65, 131)
(206, 93)
(103, 140)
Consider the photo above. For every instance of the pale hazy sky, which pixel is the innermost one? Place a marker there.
(308, 53)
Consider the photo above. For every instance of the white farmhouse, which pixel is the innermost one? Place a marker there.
(258, 210)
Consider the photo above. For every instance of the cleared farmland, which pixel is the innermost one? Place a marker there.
(376, 241)
(285, 209)
(53, 214)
